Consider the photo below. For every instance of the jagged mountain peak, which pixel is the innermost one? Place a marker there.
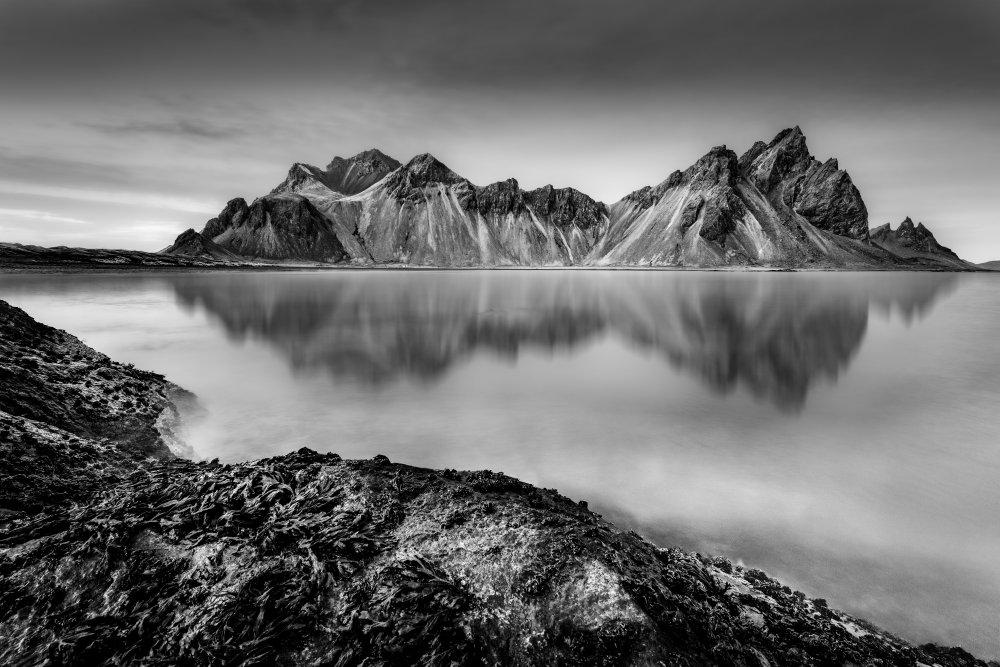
(373, 159)
(567, 206)
(300, 175)
(767, 165)
(907, 228)
(911, 239)
(422, 170)
(774, 205)
(719, 165)
(343, 176)
(425, 163)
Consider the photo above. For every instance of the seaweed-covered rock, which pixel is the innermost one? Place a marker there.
(307, 559)
(52, 377)
(71, 419)
(116, 557)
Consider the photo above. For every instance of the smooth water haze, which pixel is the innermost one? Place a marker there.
(836, 430)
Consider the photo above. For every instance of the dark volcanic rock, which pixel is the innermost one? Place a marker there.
(820, 192)
(827, 198)
(234, 211)
(420, 172)
(917, 238)
(307, 559)
(565, 207)
(916, 242)
(717, 167)
(277, 227)
(360, 172)
(15, 255)
(776, 205)
(192, 244)
(65, 407)
(346, 176)
(500, 198)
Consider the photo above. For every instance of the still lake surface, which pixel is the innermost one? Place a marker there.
(839, 431)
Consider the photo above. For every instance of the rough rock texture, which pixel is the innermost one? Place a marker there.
(694, 217)
(192, 244)
(820, 192)
(306, 559)
(426, 214)
(774, 206)
(423, 213)
(68, 414)
(344, 176)
(917, 244)
(282, 226)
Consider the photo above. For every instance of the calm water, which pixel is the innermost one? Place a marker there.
(837, 430)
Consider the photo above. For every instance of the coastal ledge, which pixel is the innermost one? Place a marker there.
(132, 555)
(308, 559)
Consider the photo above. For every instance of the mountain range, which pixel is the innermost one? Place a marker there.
(774, 206)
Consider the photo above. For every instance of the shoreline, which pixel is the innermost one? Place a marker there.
(487, 565)
(139, 268)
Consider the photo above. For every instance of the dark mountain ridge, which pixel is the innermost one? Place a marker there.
(774, 206)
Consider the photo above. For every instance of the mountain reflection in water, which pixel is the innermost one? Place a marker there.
(774, 334)
(836, 430)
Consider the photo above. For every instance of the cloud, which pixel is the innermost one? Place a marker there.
(144, 199)
(180, 127)
(41, 216)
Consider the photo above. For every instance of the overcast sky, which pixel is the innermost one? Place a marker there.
(126, 122)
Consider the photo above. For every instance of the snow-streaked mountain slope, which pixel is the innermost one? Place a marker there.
(776, 206)
(426, 214)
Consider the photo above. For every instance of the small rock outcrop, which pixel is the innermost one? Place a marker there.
(913, 237)
(276, 227)
(917, 244)
(192, 244)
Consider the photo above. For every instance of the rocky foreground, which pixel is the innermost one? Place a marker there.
(114, 551)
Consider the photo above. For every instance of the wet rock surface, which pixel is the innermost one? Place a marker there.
(307, 559)
(70, 417)
(120, 554)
